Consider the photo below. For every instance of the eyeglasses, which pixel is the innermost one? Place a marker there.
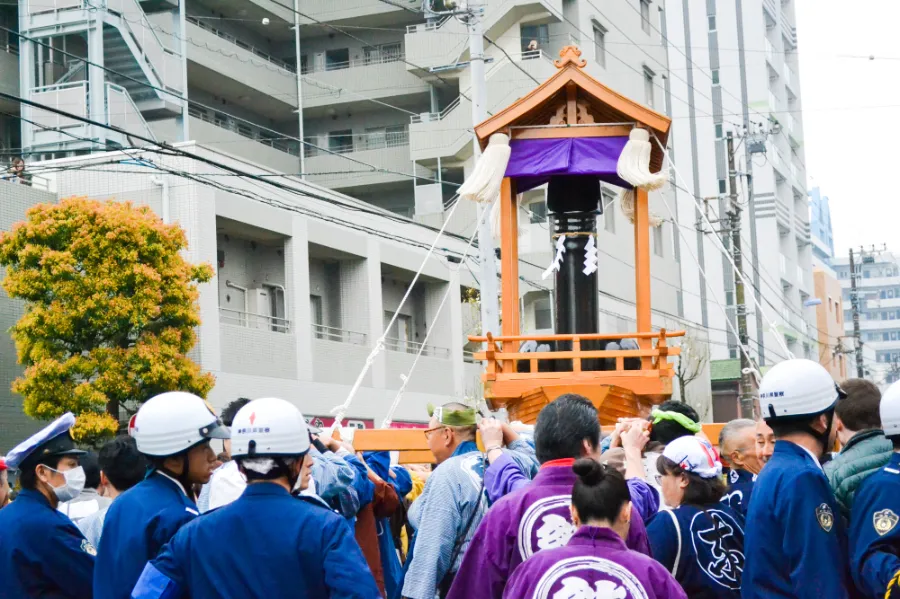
(431, 430)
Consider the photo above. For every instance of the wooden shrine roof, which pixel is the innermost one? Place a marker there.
(596, 104)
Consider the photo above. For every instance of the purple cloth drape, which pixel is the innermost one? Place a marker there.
(533, 161)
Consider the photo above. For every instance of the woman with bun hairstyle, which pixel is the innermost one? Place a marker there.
(596, 562)
(700, 540)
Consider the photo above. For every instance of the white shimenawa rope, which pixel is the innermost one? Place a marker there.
(773, 327)
(341, 410)
(745, 350)
(386, 423)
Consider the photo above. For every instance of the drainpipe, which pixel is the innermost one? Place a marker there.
(164, 183)
(299, 90)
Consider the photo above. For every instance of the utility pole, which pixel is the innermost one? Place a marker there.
(490, 304)
(854, 305)
(734, 216)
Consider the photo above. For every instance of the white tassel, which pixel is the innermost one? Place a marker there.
(557, 260)
(626, 205)
(634, 162)
(590, 257)
(483, 185)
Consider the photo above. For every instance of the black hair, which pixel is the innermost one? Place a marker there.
(28, 477)
(563, 425)
(667, 431)
(783, 427)
(122, 463)
(700, 491)
(600, 491)
(232, 409)
(91, 468)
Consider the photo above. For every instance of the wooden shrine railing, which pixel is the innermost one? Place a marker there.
(502, 360)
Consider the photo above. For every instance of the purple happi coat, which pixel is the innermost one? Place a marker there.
(531, 519)
(595, 564)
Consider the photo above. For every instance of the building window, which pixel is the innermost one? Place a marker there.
(538, 211)
(715, 76)
(400, 332)
(719, 131)
(830, 305)
(722, 186)
(543, 315)
(729, 298)
(340, 141)
(534, 37)
(658, 240)
(337, 59)
(304, 64)
(609, 212)
(645, 16)
(600, 45)
(648, 87)
(712, 22)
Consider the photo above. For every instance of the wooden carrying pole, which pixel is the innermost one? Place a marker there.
(413, 446)
(509, 263)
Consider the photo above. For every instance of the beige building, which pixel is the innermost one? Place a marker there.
(830, 324)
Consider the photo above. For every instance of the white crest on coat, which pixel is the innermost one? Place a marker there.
(619, 582)
(536, 516)
(578, 588)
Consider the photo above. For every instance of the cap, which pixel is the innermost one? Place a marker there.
(451, 417)
(53, 440)
(694, 455)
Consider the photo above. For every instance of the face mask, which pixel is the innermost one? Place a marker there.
(73, 486)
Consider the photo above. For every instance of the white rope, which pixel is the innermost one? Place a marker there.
(405, 378)
(341, 410)
(773, 327)
(756, 374)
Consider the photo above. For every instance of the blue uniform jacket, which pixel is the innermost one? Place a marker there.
(702, 548)
(796, 545)
(874, 535)
(740, 488)
(42, 553)
(139, 523)
(266, 544)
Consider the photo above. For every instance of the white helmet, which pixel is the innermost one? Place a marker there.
(172, 422)
(269, 427)
(797, 388)
(890, 410)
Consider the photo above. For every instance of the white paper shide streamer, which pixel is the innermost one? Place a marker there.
(590, 257)
(557, 260)
(634, 168)
(483, 185)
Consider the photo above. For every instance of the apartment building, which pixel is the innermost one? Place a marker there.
(733, 68)
(878, 285)
(306, 282)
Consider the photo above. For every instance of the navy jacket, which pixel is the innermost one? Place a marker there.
(740, 488)
(138, 524)
(702, 548)
(266, 544)
(874, 534)
(42, 553)
(796, 543)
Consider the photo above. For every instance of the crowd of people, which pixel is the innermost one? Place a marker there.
(550, 511)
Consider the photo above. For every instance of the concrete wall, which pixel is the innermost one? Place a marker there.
(830, 324)
(16, 426)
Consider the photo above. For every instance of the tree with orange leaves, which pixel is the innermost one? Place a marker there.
(110, 311)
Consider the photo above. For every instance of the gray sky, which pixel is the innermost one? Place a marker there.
(851, 114)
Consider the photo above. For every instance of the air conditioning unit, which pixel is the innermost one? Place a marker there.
(259, 307)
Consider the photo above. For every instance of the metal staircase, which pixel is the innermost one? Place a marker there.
(135, 64)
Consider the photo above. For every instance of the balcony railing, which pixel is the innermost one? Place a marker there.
(254, 321)
(412, 347)
(365, 61)
(316, 146)
(340, 335)
(469, 357)
(269, 138)
(242, 44)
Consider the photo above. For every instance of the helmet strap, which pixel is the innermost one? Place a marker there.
(823, 436)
